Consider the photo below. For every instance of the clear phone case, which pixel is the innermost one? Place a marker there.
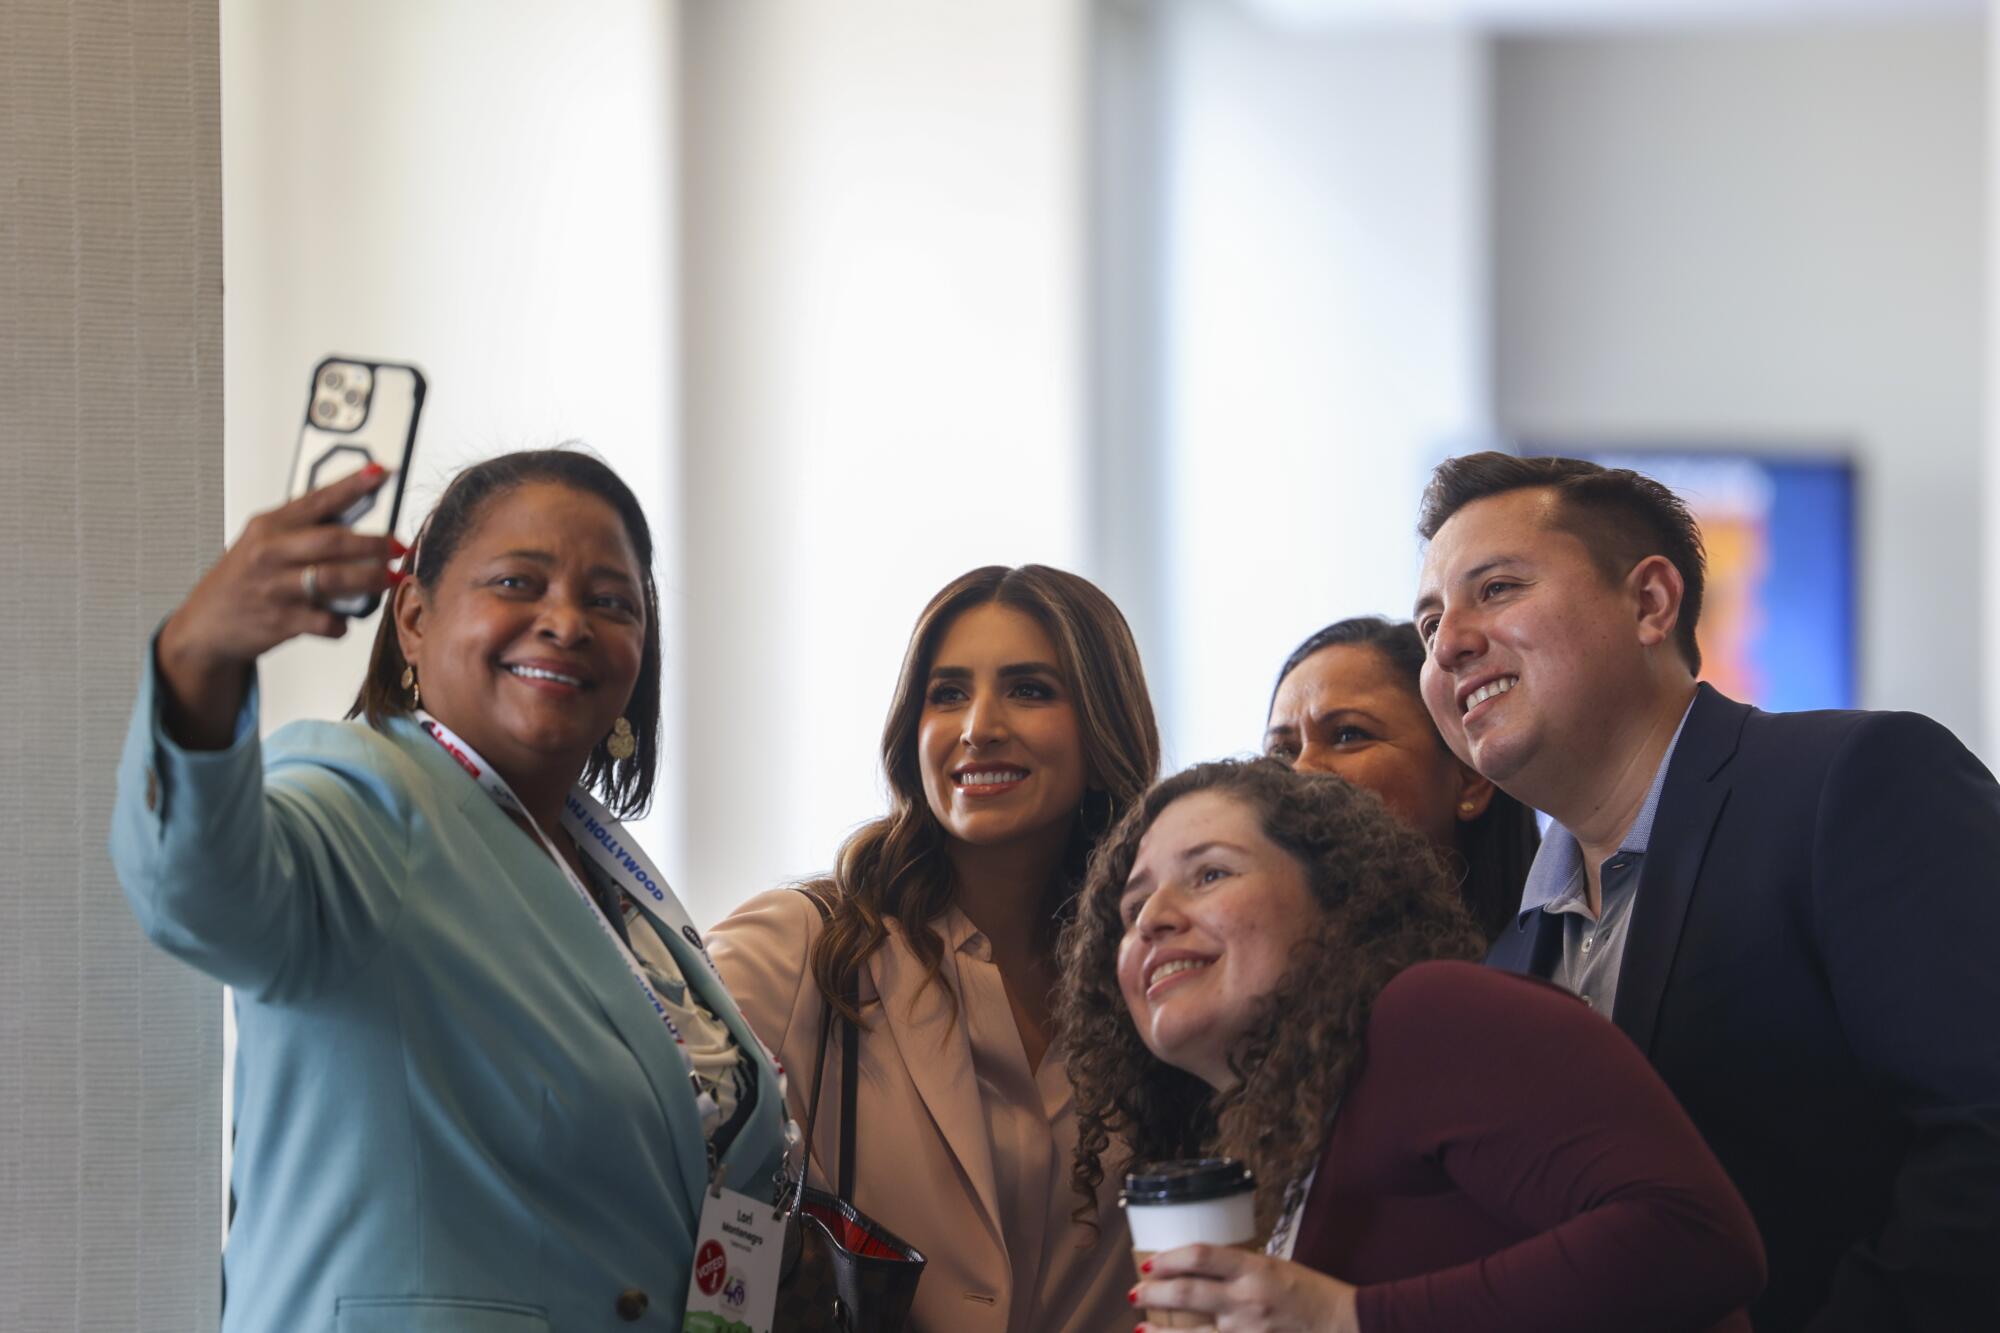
(359, 412)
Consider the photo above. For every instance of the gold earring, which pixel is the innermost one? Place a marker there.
(410, 684)
(621, 743)
(1467, 807)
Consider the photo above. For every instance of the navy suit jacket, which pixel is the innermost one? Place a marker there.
(1813, 966)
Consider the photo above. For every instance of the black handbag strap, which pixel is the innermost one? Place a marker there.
(850, 1061)
(850, 1069)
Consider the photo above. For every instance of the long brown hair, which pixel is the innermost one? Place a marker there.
(625, 784)
(896, 866)
(1386, 901)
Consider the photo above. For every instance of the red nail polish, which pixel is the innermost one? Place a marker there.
(1132, 1296)
(396, 548)
(373, 470)
(1146, 1267)
(396, 576)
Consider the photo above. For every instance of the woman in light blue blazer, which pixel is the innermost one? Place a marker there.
(485, 1067)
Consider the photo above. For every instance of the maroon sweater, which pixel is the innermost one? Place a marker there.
(1507, 1160)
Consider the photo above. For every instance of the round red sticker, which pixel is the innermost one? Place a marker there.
(711, 1266)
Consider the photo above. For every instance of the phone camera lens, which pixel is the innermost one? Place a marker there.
(331, 379)
(325, 410)
(352, 396)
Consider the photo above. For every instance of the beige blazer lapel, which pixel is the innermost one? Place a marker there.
(937, 1053)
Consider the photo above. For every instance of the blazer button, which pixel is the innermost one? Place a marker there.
(632, 1305)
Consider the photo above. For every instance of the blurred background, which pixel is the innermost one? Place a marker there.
(1185, 295)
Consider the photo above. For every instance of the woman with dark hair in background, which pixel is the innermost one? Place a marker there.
(1020, 730)
(1267, 965)
(482, 1075)
(1347, 702)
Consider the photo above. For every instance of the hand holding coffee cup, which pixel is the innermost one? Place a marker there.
(1194, 1239)
(1201, 1201)
(1243, 1291)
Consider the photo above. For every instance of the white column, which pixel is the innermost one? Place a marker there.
(883, 333)
(1326, 284)
(483, 187)
(1989, 402)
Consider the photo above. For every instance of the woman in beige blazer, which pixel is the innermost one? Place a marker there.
(1020, 730)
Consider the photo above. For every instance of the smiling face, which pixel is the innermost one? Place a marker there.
(1211, 911)
(997, 742)
(1346, 710)
(1533, 652)
(530, 642)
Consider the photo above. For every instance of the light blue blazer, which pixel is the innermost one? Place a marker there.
(455, 1110)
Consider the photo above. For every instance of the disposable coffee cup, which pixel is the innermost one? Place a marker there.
(1199, 1201)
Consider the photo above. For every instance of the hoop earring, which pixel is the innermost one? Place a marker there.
(1458, 866)
(410, 684)
(621, 744)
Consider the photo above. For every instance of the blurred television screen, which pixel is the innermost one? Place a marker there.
(1778, 619)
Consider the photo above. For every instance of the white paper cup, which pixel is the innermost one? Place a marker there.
(1201, 1201)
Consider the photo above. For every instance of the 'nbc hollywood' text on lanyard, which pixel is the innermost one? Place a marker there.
(604, 840)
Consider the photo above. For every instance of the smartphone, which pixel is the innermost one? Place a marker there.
(359, 412)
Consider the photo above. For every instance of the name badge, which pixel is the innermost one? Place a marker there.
(738, 1252)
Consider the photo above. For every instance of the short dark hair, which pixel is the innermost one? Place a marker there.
(625, 784)
(1499, 846)
(1620, 515)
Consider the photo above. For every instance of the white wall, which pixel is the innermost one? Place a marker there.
(882, 317)
(1989, 642)
(884, 330)
(1127, 137)
(1775, 237)
(1326, 303)
(484, 187)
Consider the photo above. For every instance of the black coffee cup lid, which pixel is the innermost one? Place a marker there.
(1188, 1181)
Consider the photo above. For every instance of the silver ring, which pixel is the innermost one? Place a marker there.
(309, 580)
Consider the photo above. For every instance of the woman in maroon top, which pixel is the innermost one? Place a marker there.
(1266, 964)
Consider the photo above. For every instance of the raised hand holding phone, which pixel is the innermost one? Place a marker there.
(275, 583)
(359, 413)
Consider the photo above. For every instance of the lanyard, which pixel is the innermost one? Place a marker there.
(602, 839)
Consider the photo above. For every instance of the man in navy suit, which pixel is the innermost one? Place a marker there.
(1794, 915)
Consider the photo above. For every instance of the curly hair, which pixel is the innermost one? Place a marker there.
(1386, 902)
(896, 866)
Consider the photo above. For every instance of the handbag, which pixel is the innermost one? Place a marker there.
(842, 1272)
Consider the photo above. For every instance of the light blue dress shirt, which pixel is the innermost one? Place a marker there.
(1593, 949)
